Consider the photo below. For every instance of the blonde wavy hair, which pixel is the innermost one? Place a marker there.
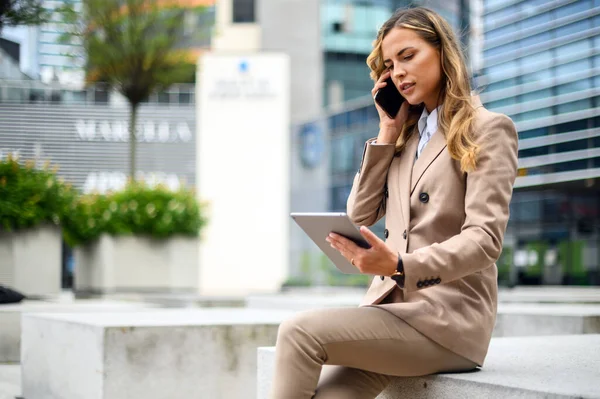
(457, 114)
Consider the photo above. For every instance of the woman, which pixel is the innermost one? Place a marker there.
(442, 173)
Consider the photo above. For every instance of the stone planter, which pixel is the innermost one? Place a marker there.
(30, 260)
(136, 264)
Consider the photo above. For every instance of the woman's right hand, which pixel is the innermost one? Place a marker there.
(389, 129)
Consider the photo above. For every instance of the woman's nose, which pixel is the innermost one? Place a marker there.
(399, 73)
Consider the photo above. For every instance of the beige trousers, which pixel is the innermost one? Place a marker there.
(361, 349)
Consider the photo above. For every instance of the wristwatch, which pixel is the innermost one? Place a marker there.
(398, 275)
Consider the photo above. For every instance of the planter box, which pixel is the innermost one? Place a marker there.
(30, 260)
(136, 264)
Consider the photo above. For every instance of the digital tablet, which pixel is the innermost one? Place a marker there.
(318, 226)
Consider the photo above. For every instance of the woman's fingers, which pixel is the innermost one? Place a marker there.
(345, 246)
(380, 83)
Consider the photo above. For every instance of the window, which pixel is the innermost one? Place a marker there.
(576, 67)
(537, 20)
(536, 95)
(573, 8)
(572, 146)
(571, 49)
(582, 84)
(578, 26)
(537, 76)
(542, 131)
(342, 154)
(572, 126)
(243, 11)
(574, 106)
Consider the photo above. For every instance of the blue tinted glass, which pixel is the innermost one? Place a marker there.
(504, 84)
(578, 26)
(537, 76)
(500, 50)
(581, 84)
(573, 67)
(496, 33)
(505, 102)
(536, 39)
(536, 20)
(573, 8)
(527, 134)
(536, 95)
(342, 153)
(502, 71)
(536, 61)
(538, 113)
(568, 50)
(596, 22)
(574, 106)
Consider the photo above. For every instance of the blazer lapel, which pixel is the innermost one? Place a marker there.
(429, 154)
(404, 176)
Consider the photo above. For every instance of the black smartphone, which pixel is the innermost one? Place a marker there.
(389, 98)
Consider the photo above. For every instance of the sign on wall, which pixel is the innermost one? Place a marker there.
(90, 143)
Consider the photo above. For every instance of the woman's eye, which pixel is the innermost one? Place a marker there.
(408, 57)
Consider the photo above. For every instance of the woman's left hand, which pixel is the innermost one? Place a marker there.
(378, 260)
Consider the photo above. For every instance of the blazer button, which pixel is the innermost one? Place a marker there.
(387, 194)
(424, 198)
(438, 280)
(427, 283)
(420, 284)
(382, 278)
(386, 233)
(404, 234)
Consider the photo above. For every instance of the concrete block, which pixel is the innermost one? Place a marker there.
(137, 264)
(517, 367)
(550, 294)
(10, 319)
(546, 319)
(195, 353)
(300, 302)
(30, 260)
(10, 381)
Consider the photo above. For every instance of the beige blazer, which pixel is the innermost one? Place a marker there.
(447, 225)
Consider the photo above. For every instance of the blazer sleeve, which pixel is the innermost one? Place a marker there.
(488, 192)
(366, 203)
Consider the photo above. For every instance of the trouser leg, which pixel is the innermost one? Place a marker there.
(366, 338)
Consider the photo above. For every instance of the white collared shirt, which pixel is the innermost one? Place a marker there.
(427, 125)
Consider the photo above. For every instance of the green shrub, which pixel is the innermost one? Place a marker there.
(30, 197)
(137, 209)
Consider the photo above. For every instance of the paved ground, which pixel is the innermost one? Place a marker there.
(10, 381)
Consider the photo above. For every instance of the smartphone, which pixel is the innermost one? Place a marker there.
(389, 98)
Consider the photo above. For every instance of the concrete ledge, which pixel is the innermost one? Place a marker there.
(546, 319)
(196, 353)
(550, 294)
(10, 381)
(299, 302)
(517, 367)
(10, 319)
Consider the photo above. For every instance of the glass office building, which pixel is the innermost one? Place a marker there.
(541, 66)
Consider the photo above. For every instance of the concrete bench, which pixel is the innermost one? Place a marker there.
(550, 294)
(546, 319)
(10, 319)
(518, 367)
(167, 353)
(297, 301)
(513, 319)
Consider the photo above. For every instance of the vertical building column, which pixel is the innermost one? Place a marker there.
(243, 173)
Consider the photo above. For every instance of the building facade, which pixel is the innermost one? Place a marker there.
(540, 66)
